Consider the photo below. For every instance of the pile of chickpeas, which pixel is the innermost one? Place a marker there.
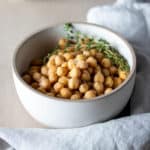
(74, 74)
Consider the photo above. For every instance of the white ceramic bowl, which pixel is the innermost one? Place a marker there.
(61, 113)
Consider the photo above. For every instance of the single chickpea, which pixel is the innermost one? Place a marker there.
(65, 93)
(34, 69)
(99, 87)
(90, 70)
(99, 77)
(75, 96)
(99, 56)
(27, 78)
(36, 62)
(71, 64)
(91, 61)
(62, 43)
(36, 76)
(64, 64)
(51, 69)
(61, 53)
(44, 70)
(93, 52)
(68, 56)
(90, 94)
(98, 69)
(50, 94)
(61, 71)
(59, 60)
(117, 82)
(85, 76)
(109, 82)
(86, 53)
(80, 57)
(73, 83)
(35, 85)
(82, 64)
(123, 74)
(52, 77)
(75, 72)
(108, 90)
(113, 70)
(83, 88)
(42, 90)
(44, 83)
(106, 63)
(105, 72)
(63, 80)
(51, 61)
(58, 86)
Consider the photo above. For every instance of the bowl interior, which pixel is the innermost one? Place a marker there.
(39, 44)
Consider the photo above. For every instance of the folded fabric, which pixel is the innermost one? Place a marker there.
(131, 20)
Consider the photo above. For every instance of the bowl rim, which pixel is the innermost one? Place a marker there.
(97, 98)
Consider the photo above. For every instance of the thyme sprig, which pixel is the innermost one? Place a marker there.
(101, 45)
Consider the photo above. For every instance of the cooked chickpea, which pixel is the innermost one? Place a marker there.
(85, 76)
(27, 78)
(75, 72)
(98, 69)
(63, 80)
(73, 83)
(36, 76)
(108, 90)
(71, 64)
(65, 93)
(82, 64)
(40, 89)
(123, 74)
(83, 87)
(52, 77)
(58, 86)
(50, 94)
(99, 87)
(93, 52)
(68, 56)
(117, 82)
(90, 94)
(99, 77)
(75, 96)
(80, 57)
(91, 61)
(86, 53)
(59, 60)
(35, 85)
(44, 83)
(44, 70)
(65, 64)
(99, 56)
(113, 70)
(105, 72)
(51, 69)
(62, 43)
(90, 70)
(106, 63)
(61, 71)
(109, 82)
(51, 61)
(34, 69)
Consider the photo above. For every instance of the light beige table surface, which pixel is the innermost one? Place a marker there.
(18, 20)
